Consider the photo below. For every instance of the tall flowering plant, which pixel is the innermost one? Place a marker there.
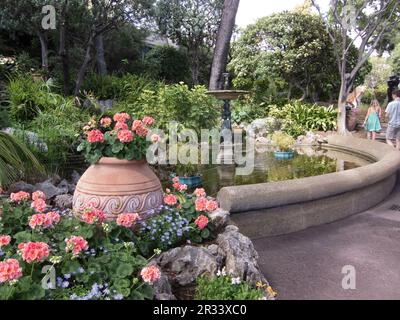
(121, 137)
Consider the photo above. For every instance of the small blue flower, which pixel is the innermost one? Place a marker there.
(65, 284)
(118, 296)
(67, 276)
(81, 270)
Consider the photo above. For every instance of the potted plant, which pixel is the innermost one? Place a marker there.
(119, 179)
(284, 144)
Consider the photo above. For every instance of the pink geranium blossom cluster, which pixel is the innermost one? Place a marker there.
(121, 117)
(44, 220)
(92, 215)
(201, 222)
(203, 204)
(127, 219)
(125, 136)
(34, 251)
(10, 270)
(170, 199)
(4, 240)
(39, 205)
(76, 245)
(19, 196)
(95, 135)
(177, 185)
(150, 274)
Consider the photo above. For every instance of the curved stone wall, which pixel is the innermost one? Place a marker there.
(283, 207)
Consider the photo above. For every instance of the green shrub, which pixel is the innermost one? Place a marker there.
(29, 97)
(192, 108)
(59, 129)
(225, 288)
(297, 118)
(167, 63)
(379, 93)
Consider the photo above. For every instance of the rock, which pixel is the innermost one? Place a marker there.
(164, 296)
(217, 253)
(185, 264)
(63, 201)
(220, 218)
(75, 176)
(63, 186)
(21, 186)
(241, 257)
(48, 188)
(71, 188)
(258, 127)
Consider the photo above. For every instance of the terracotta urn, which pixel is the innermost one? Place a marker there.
(119, 186)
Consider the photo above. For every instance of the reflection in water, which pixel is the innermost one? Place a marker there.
(306, 163)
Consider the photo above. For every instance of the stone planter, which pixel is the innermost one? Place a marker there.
(119, 186)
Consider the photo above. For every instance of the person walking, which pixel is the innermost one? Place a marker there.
(393, 116)
(372, 123)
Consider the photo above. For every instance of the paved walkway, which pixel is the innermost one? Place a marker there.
(308, 264)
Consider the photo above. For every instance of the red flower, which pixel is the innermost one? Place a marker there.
(200, 204)
(148, 121)
(19, 196)
(38, 195)
(39, 205)
(121, 117)
(136, 125)
(200, 192)
(93, 215)
(121, 126)
(211, 205)
(106, 122)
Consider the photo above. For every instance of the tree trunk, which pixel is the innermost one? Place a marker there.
(341, 121)
(63, 51)
(44, 51)
(83, 68)
(222, 45)
(194, 65)
(101, 61)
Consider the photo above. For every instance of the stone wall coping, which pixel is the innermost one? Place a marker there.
(274, 194)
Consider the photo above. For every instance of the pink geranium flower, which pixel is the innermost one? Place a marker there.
(34, 251)
(93, 215)
(201, 204)
(121, 126)
(170, 199)
(201, 222)
(19, 196)
(95, 135)
(76, 245)
(136, 125)
(39, 205)
(10, 270)
(200, 192)
(106, 122)
(44, 220)
(155, 138)
(148, 121)
(142, 131)
(54, 217)
(150, 274)
(38, 195)
(121, 117)
(4, 240)
(211, 205)
(125, 136)
(127, 219)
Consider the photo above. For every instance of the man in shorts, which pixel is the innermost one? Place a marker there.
(393, 116)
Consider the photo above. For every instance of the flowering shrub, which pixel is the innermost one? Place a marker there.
(225, 287)
(121, 137)
(90, 258)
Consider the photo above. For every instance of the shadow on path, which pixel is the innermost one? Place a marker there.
(308, 264)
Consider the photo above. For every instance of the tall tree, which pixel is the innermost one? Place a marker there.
(222, 45)
(350, 22)
(192, 24)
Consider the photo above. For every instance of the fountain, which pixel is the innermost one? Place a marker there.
(225, 156)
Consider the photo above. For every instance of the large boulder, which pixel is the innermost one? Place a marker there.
(184, 264)
(240, 255)
(49, 189)
(21, 186)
